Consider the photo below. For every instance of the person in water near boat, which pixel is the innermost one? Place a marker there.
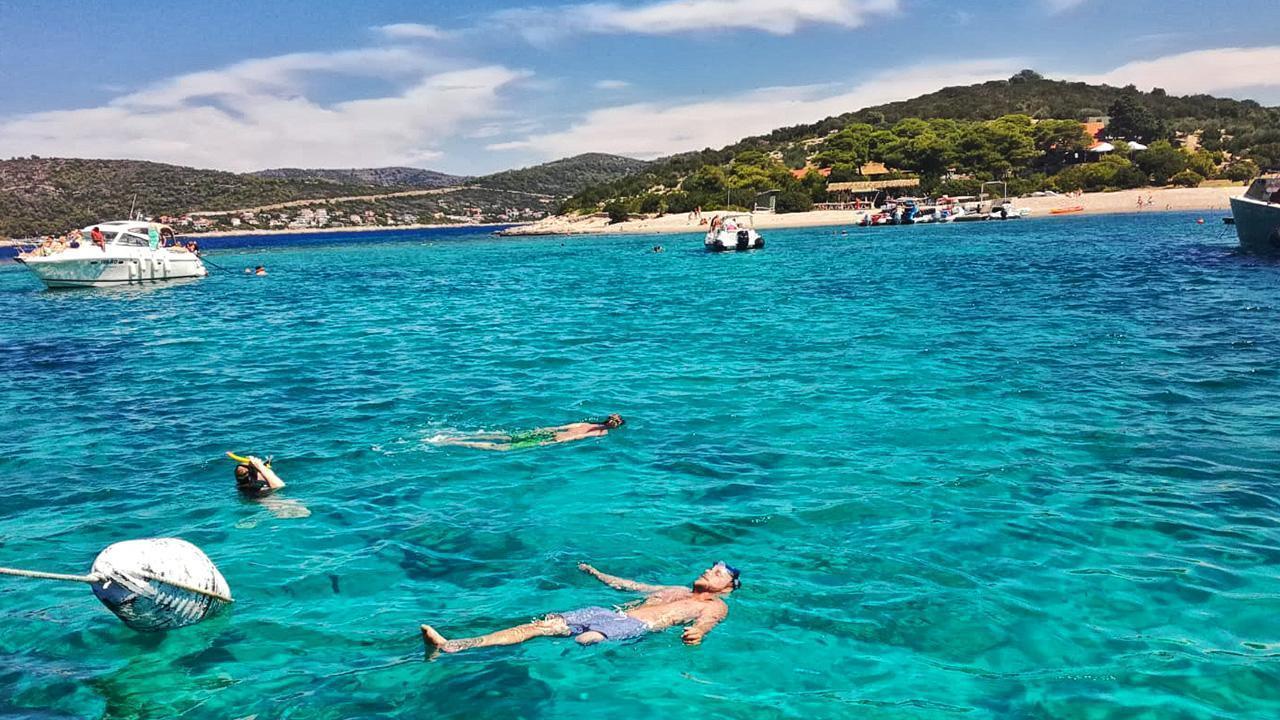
(257, 481)
(538, 436)
(699, 608)
(254, 477)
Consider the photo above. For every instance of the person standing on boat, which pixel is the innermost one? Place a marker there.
(153, 235)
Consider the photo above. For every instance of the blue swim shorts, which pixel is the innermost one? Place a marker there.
(612, 624)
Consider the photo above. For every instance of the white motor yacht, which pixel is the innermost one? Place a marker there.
(125, 256)
(733, 232)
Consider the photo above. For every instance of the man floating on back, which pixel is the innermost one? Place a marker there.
(700, 608)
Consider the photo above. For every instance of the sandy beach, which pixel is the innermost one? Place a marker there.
(1208, 199)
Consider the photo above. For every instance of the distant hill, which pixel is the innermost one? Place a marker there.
(565, 177)
(393, 177)
(45, 195)
(1029, 93)
(1023, 130)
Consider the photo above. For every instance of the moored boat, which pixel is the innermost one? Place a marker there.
(125, 255)
(1256, 215)
(733, 232)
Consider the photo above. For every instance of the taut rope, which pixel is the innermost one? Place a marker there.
(98, 578)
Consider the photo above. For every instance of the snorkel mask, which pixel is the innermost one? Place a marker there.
(733, 572)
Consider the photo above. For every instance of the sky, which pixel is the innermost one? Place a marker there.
(479, 86)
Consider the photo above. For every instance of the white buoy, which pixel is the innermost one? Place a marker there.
(152, 584)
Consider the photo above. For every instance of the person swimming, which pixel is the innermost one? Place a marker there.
(536, 437)
(258, 482)
(255, 478)
(699, 608)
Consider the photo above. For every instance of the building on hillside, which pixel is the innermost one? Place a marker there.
(801, 172)
(1093, 127)
(874, 169)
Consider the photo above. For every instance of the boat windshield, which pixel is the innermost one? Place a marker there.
(1266, 189)
(131, 240)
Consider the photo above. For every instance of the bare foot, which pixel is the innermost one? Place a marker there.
(436, 640)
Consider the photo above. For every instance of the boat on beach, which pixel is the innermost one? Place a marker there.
(733, 232)
(125, 257)
(1256, 215)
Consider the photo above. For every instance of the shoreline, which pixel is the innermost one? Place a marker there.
(1164, 199)
(333, 230)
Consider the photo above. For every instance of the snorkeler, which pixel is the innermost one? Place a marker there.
(537, 436)
(255, 478)
(699, 607)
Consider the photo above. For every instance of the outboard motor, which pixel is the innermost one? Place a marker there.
(744, 240)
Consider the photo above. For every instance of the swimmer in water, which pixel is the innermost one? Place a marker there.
(536, 437)
(699, 608)
(255, 480)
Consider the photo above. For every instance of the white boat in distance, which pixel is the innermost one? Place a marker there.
(125, 258)
(733, 232)
(1257, 215)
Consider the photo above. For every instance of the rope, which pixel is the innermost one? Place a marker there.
(49, 576)
(97, 578)
(207, 261)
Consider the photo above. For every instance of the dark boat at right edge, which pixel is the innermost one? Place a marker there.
(1256, 215)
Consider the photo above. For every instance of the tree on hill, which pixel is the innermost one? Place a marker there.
(1131, 120)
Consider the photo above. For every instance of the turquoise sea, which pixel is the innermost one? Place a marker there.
(1018, 470)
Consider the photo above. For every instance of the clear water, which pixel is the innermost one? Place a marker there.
(1020, 470)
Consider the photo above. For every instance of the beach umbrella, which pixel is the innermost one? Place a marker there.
(1102, 147)
(1136, 145)
(151, 584)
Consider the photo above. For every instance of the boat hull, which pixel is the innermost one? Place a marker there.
(144, 268)
(733, 240)
(1257, 225)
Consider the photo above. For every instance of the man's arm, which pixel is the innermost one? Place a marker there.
(618, 583)
(709, 619)
(273, 481)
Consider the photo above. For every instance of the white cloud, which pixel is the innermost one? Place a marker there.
(1200, 71)
(648, 130)
(257, 114)
(411, 31)
(612, 84)
(779, 17)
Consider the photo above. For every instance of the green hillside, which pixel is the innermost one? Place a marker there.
(1024, 130)
(388, 177)
(46, 195)
(562, 178)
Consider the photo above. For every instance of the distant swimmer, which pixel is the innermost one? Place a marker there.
(259, 271)
(700, 608)
(536, 437)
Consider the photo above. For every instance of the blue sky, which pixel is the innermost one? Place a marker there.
(481, 86)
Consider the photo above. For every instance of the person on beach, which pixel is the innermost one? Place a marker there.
(536, 437)
(699, 607)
